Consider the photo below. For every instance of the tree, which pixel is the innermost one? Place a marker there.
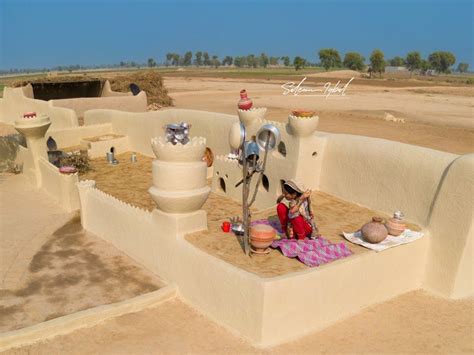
(198, 60)
(273, 60)
(240, 62)
(329, 58)
(441, 61)
(252, 61)
(228, 60)
(377, 62)
(354, 61)
(188, 57)
(207, 60)
(215, 61)
(397, 61)
(463, 67)
(169, 58)
(286, 61)
(299, 63)
(263, 60)
(176, 59)
(424, 66)
(413, 61)
(151, 62)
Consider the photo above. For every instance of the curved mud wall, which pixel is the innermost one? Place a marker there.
(433, 189)
(17, 101)
(141, 127)
(383, 175)
(126, 103)
(380, 174)
(449, 270)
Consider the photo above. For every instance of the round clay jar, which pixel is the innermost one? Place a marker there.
(261, 236)
(395, 226)
(374, 232)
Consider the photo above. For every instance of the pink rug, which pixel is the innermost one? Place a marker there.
(311, 252)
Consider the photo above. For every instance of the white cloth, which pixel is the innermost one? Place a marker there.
(407, 236)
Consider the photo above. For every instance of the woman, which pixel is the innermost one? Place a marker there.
(293, 208)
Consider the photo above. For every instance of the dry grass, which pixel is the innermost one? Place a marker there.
(150, 81)
(129, 182)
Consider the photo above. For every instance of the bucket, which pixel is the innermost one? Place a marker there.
(110, 157)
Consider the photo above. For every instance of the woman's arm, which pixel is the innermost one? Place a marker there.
(296, 207)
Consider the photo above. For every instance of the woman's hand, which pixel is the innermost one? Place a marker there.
(306, 194)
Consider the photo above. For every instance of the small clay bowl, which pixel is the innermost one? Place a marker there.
(302, 113)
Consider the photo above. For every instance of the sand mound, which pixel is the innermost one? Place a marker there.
(149, 81)
(341, 74)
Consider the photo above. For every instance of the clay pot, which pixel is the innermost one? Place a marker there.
(302, 113)
(374, 232)
(245, 103)
(395, 226)
(208, 157)
(261, 237)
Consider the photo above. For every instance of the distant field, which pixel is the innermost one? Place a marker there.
(261, 74)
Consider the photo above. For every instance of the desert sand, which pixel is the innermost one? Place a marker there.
(437, 117)
(411, 323)
(50, 266)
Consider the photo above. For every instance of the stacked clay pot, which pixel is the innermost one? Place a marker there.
(179, 175)
(394, 225)
(261, 237)
(245, 103)
(374, 231)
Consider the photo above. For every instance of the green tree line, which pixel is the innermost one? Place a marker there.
(329, 58)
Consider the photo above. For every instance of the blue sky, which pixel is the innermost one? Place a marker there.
(42, 33)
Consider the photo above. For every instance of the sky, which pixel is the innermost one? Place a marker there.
(48, 33)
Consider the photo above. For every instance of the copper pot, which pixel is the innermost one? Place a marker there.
(394, 225)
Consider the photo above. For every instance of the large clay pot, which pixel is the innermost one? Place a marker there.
(245, 103)
(374, 232)
(395, 226)
(261, 237)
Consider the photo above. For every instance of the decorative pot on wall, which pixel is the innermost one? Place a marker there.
(179, 175)
(395, 225)
(245, 103)
(247, 117)
(303, 126)
(261, 237)
(374, 231)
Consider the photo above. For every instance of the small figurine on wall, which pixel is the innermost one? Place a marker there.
(294, 211)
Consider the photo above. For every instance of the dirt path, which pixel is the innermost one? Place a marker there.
(435, 117)
(403, 325)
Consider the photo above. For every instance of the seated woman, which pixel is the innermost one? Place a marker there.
(293, 208)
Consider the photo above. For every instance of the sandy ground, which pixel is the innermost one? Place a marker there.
(402, 325)
(50, 268)
(437, 117)
(129, 182)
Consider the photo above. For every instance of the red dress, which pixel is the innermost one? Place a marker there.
(301, 227)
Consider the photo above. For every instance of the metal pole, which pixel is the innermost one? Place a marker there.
(245, 212)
